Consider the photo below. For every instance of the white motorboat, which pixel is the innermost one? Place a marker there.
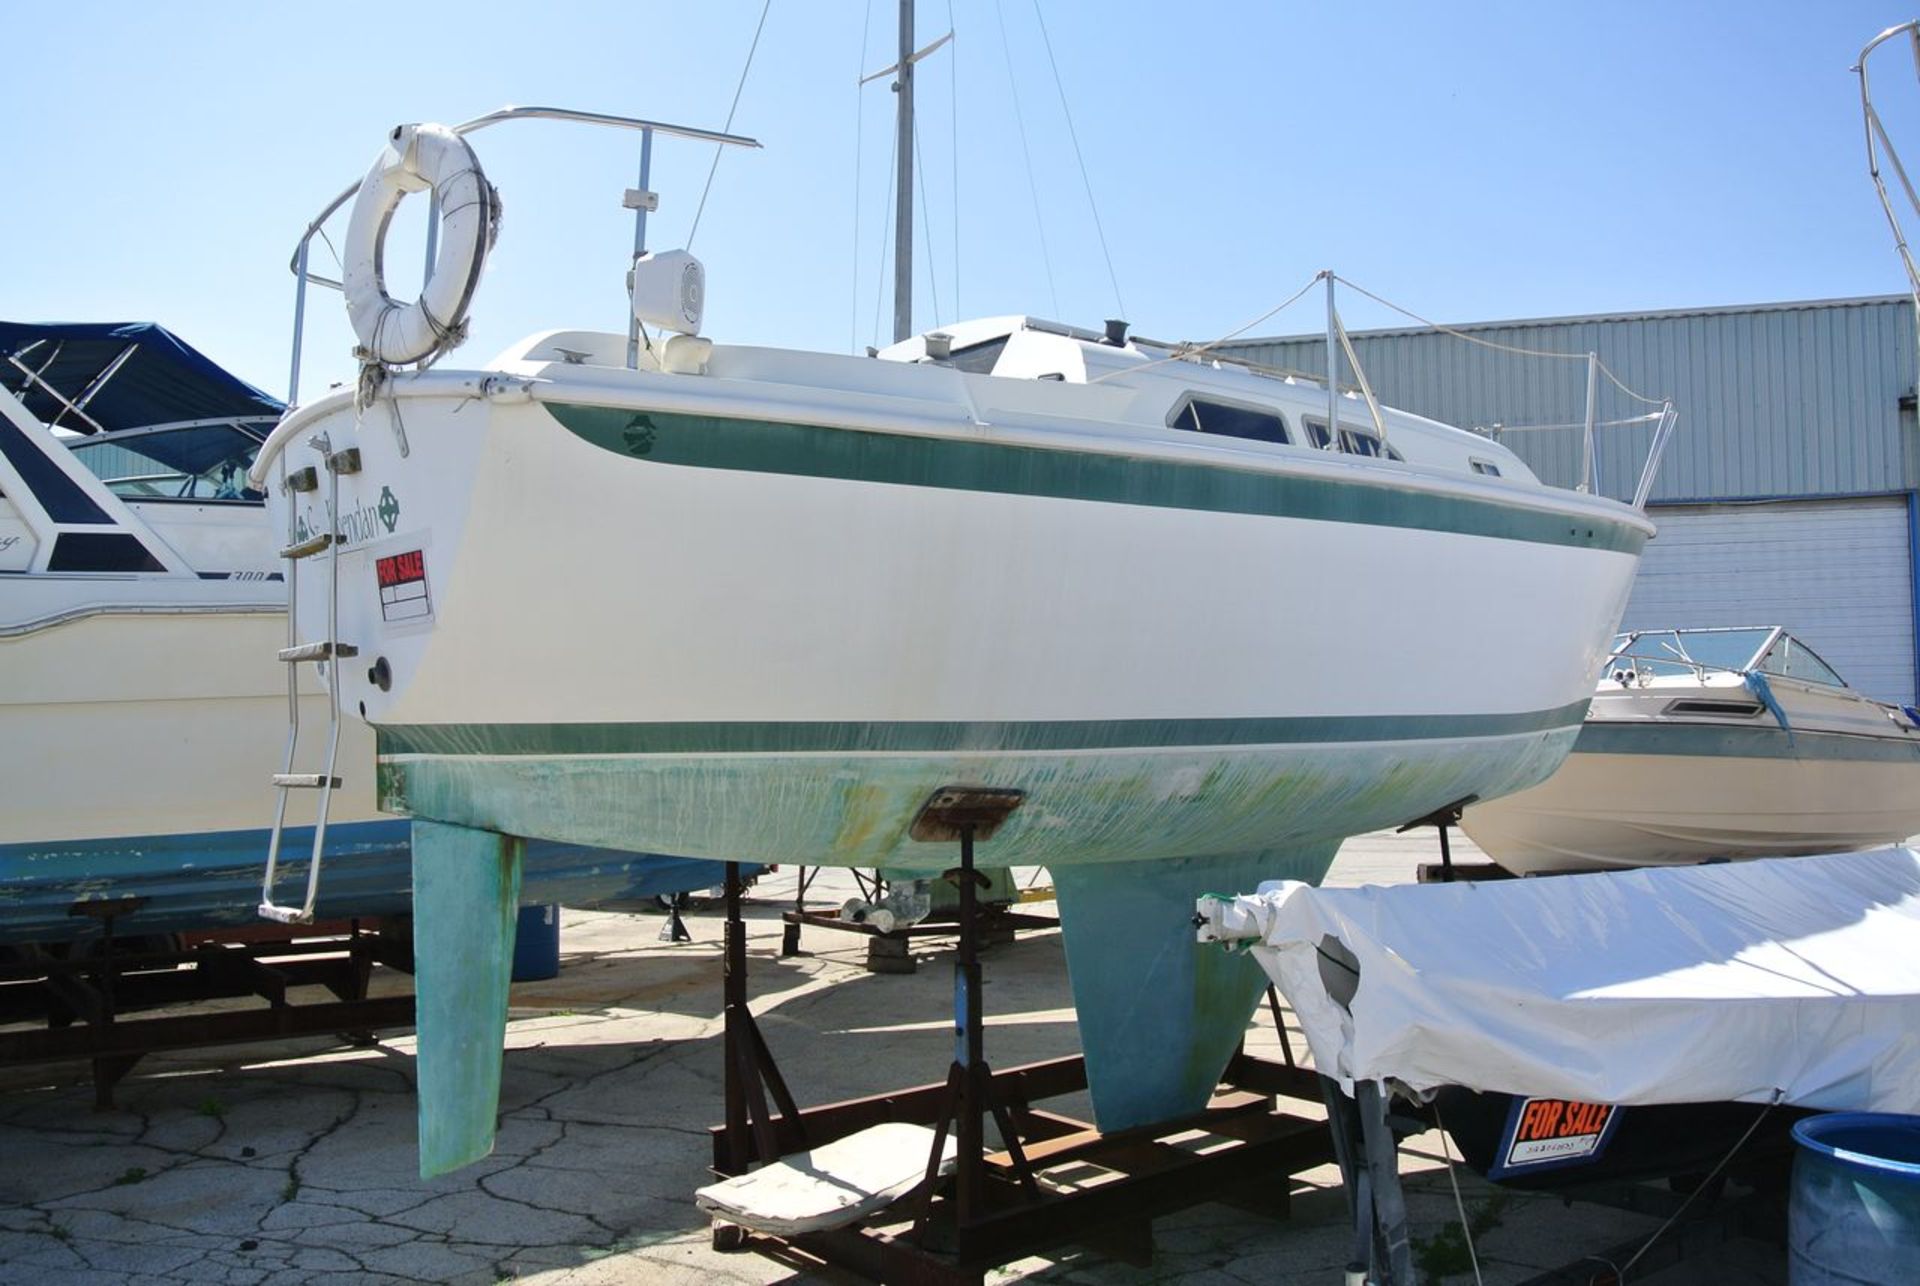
(1706, 744)
(735, 602)
(141, 703)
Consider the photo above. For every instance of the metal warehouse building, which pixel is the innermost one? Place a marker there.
(1788, 495)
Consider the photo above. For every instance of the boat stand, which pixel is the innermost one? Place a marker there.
(1006, 1203)
(82, 997)
(892, 951)
(1366, 1143)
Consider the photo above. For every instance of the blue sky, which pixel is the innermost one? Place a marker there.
(1471, 161)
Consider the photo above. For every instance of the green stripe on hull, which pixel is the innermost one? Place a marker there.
(855, 810)
(899, 459)
(954, 737)
(1708, 741)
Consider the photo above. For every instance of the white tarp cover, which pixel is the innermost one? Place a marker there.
(1798, 976)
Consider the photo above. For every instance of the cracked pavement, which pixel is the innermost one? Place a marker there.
(293, 1161)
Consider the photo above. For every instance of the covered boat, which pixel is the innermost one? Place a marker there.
(1778, 981)
(141, 704)
(738, 602)
(1656, 1021)
(1706, 744)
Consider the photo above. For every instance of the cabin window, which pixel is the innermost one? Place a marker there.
(201, 464)
(1228, 420)
(1352, 441)
(979, 359)
(1792, 659)
(1487, 467)
(1360, 442)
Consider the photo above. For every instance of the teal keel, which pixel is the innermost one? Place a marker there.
(1159, 1014)
(466, 896)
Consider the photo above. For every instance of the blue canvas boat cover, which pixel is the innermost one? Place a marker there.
(162, 381)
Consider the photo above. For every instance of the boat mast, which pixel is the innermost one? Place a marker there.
(903, 195)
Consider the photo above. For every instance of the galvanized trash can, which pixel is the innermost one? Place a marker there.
(1854, 1217)
(536, 943)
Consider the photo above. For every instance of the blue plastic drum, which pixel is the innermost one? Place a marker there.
(1855, 1213)
(536, 944)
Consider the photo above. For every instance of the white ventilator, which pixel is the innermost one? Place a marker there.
(669, 291)
(418, 158)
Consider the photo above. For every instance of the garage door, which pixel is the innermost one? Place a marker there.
(1837, 573)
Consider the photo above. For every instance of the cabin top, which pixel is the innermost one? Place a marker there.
(1023, 371)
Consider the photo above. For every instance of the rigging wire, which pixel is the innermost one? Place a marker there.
(728, 127)
(859, 124)
(926, 221)
(886, 226)
(1498, 347)
(1085, 182)
(1185, 352)
(1020, 127)
(953, 142)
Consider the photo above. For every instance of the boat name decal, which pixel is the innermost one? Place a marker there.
(368, 522)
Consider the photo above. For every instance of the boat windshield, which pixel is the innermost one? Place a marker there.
(1677, 653)
(1792, 659)
(205, 463)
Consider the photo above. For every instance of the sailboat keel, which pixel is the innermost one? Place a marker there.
(1160, 1016)
(466, 895)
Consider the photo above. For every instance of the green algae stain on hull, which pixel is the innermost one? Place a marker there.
(854, 810)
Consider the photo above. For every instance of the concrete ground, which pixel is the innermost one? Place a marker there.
(294, 1162)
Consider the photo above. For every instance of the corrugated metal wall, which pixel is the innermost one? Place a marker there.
(1834, 572)
(1779, 400)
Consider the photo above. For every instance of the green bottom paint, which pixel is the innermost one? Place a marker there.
(466, 897)
(1159, 1013)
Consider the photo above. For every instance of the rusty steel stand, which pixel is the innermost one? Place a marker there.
(84, 999)
(965, 814)
(998, 1206)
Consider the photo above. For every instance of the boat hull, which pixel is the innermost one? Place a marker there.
(1126, 804)
(136, 749)
(746, 619)
(211, 881)
(1659, 794)
(772, 640)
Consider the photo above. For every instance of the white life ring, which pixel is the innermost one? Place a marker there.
(418, 158)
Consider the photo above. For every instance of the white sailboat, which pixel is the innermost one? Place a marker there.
(735, 602)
